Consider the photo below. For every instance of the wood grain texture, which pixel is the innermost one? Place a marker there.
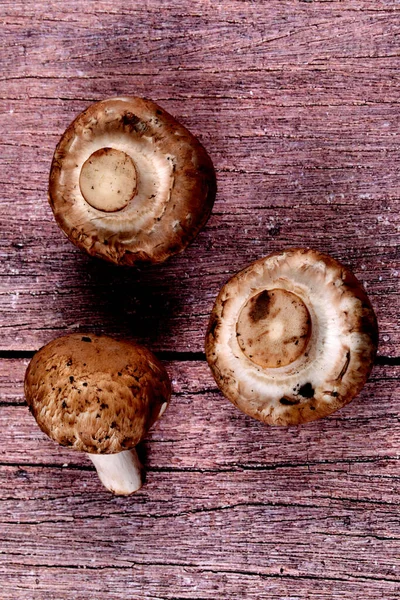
(297, 106)
(229, 507)
(205, 431)
(297, 103)
(157, 583)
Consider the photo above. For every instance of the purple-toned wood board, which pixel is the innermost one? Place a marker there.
(297, 104)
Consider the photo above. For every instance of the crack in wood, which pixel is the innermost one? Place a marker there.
(237, 467)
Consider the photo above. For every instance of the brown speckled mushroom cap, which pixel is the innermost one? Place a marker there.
(96, 394)
(129, 184)
(292, 337)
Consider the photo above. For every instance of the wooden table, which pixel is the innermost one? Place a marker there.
(298, 105)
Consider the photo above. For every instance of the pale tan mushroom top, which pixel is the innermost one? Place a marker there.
(130, 184)
(96, 394)
(292, 338)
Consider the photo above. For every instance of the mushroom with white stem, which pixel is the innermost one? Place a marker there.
(130, 184)
(292, 338)
(100, 396)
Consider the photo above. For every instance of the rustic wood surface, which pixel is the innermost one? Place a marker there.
(297, 103)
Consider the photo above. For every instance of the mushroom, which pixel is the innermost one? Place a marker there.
(98, 395)
(292, 338)
(130, 184)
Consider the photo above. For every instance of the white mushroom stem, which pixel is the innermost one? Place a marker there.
(120, 473)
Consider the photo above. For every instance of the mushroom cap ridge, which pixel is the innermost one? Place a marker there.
(96, 394)
(340, 351)
(175, 190)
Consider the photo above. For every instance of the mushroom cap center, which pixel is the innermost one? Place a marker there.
(108, 179)
(274, 328)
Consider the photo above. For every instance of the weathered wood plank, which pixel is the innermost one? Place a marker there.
(213, 522)
(33, 504)
(168, 306)
(299, 116)
(277, 33)
(228, 504)
(202, 430)
(166, 582)
(12, 373)
(37, 495)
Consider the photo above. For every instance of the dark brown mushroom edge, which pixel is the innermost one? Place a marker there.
(292, 338)
(129, 184)
(100, 396)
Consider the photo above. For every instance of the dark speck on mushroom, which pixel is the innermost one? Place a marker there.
(288, 401)
(260, 306)
(132, 122)
(86, 339)
(307, 391)
(213, 325)
(345, 366)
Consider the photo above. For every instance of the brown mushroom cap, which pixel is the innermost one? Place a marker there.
(129, 184)
(96, 394)
(292, 338)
